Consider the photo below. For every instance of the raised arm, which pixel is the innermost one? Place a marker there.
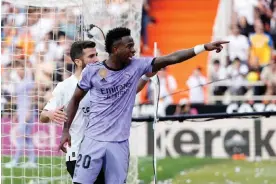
(141, 84)
(183, 55)
(71, 112)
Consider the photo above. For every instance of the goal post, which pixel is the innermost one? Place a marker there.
(38, 33)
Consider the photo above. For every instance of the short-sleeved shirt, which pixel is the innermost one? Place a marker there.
(112, 97)
(261, 47)
(61, 96)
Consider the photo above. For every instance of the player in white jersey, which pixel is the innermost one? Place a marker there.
(62, 94)
(81, 53)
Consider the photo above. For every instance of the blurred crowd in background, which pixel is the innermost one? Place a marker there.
(36, 41)
(35, 49)
(251, 51)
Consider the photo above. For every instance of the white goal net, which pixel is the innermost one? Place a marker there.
(35, 39)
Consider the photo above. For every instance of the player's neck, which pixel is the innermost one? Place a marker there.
(77, 73)
(114, 63)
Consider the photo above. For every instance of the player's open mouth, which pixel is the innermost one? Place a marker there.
(130, 57)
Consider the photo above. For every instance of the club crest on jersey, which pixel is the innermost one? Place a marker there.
(103, 74)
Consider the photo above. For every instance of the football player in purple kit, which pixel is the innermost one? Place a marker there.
(112, 85)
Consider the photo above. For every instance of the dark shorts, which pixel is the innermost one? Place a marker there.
(71, 167)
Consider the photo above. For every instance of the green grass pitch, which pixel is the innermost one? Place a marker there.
(173, 170)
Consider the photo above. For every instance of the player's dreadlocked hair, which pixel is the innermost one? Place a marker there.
(115, 35)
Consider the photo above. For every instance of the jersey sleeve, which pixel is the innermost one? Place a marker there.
(56, 99)
(85, 82)
(145, 64)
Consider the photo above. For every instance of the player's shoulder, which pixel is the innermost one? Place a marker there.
(93, 67)
(141, 58)
(69, 81)
(61, 86)
(144, 58)
(141, 61)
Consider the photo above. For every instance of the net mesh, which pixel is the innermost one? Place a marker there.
(36, 37)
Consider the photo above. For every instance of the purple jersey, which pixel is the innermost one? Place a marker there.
(112, 98)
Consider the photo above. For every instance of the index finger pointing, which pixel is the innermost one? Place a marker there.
(222, 42)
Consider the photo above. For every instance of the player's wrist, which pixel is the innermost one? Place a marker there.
(145, 78)
(65, 128)
(199, 49)
(49, 114)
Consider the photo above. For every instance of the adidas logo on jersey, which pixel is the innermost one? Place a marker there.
(127, 75)
(103, 80)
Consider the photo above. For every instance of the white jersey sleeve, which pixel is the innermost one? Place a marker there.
(56, 99)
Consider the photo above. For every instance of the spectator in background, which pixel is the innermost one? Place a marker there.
(44, 23)
(196, 89)
(11, 17)
(238, 46)
(245, 28)
(245, 8)
(25, 116)
(62, 46)
(184, 107)
(26, 42)
(144, 25)
(11, 35)
(268, 76)
(51, 49)
(264, 13)
(17, 16)
(5, 9)
(18, 53)
(146, 20)
(168, 86)
(261, 46)
(33, 16)
(5, 55)
(218, 72)
(237, 71)
(48, 47)
(273, 24)
(34, 35)
(252, 77)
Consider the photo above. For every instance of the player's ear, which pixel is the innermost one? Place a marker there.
(77, 62)
(114, 48)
